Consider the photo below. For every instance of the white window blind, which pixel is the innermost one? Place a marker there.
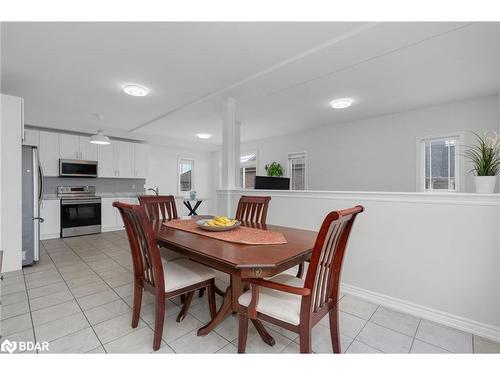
(297, 170)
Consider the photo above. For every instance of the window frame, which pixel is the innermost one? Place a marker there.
(289, 169)
(246, 165)
(459, 136)
(179, 160)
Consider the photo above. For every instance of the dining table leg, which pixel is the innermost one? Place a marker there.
(221, 314)
(265, 336)
(230, 304)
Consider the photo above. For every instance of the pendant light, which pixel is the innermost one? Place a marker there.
(100, 139)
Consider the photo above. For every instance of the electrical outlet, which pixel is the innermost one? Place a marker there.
(133, 186)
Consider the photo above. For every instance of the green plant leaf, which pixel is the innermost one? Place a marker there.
(274, 169)
(484, 156)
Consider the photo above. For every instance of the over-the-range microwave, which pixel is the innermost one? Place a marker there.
(77, 168)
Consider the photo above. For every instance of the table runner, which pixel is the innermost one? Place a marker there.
(242, 235)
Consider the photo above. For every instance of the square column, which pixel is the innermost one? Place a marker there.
(230, 146)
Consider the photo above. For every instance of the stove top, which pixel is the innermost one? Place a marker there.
(76, 192)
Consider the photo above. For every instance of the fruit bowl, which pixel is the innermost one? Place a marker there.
(218, 224)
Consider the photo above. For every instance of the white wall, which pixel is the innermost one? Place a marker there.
(376, 154)
(432, 255)
(163, 172)
(11, 182)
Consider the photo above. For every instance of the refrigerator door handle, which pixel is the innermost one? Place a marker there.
(41, 183)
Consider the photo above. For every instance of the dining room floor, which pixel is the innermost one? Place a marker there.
(78, 297)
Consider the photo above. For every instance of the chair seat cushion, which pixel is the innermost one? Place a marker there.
(181, 273)
(277, 304)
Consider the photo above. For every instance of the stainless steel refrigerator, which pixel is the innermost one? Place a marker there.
(32, 193)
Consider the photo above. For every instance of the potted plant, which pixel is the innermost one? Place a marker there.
(274, 179)
(274, 169)
(485, 158)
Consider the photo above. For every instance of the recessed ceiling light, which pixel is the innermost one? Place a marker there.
(204, 135)
(341, 103)
(99, 139)
(135, 90)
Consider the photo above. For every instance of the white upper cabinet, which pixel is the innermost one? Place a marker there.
(76, 147)
(31, 137)
(49, 153)
(118, 160)
(88, 151)
(124, 155)
(106, 161)
(69, 146)
(140, 160)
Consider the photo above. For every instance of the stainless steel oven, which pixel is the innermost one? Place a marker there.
(77, 168)
(80, 210)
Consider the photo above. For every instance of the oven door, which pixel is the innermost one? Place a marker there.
(80, 216)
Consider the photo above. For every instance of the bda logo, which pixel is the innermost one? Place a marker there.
(8, 346)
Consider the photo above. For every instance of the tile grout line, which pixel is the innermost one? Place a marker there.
(81, 310)
(361, 330)
(119, 297)
(29, 307)
(141, 308)
(415, 335)
(78, 255)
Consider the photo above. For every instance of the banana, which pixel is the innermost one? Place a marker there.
(220, 221)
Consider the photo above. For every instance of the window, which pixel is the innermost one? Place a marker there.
(439, 164)
(186, 171)
(297, 170)
(248, 170)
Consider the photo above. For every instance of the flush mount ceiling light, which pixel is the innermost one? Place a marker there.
(100, 139)
(135, 90)
(204, 135)
(341, 103)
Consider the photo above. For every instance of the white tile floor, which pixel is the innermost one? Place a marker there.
(79, 297)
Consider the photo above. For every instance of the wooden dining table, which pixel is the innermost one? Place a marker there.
(239, 261)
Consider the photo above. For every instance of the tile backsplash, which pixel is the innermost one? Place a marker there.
(102, 185)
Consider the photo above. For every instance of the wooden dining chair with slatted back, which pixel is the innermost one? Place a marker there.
(160, 208)
(296, 304)
(161, 278)
(252, 209)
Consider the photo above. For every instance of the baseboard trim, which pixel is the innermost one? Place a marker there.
(111, 229)
(437, 316)
(58, 235)
(50, 236)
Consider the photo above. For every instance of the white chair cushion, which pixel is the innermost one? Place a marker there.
(181, 273)
(280, 305)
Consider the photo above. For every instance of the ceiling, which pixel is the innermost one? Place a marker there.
(282, 75)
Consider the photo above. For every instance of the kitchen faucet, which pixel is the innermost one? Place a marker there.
(155, 190)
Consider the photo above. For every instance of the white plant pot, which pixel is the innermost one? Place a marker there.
(485, 184)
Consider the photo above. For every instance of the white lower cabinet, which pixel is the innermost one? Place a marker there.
(50, 211)
(110, 217)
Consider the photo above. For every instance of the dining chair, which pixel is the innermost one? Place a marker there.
(296, 304)
(164, 279)
(252, 209)
(160, 208)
